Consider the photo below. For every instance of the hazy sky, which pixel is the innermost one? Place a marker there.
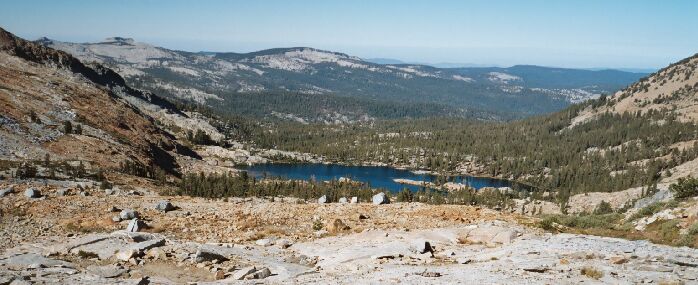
(582, 33)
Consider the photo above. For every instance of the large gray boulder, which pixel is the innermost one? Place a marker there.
(354, 200)
(243, 272)
(32, 193)
(343, 200)
(380, 198)
(135, 225)
(128, 214)
(164, 206)
(322, 200)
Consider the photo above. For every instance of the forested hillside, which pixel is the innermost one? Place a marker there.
(609, 144)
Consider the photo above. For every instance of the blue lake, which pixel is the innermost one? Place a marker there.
(376, 176)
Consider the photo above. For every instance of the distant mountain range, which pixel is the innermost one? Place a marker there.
(312, 85)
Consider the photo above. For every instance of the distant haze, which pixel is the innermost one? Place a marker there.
(622, 34)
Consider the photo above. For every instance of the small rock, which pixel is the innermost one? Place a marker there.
(320, 233)
(362, 217)
(259, 274)
(116, 219)
(284, 243)
(422, 247)
(107, 271)
(464, 260)
(113, 209)
(429, 274)
(135, 225)
(32, 193)
(109, 192)
(128, 214)
(380, 198)
(7, 190)
(343, 200)
(203, 255)
(164, 206)
(264, 242)
(618, 260)
(322, 200)
(63, 192)
(156, 253)
(243, 272)
(220, 275)
(126, 254)
(354, 200)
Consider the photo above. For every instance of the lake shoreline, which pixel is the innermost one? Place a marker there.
(378, 176)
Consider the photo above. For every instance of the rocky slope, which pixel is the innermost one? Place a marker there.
(42, 90)
(68, 238)
(216, 78)
(672, 90)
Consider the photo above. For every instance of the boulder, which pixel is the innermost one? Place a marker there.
(63, 192)
(354, 200)
(126, 254)
(164, 206)
(84, 193)
(32, 193)
(322, 200)
(264, 242)
(6, 190)
(343, 200)
(137, 249)
(284, 243)
(380, 198)
(422, 246)
(259, 274)
(135, 225)
(156, 253)
(243, 272)
(128, 214)
(490, 235)
(203, 255)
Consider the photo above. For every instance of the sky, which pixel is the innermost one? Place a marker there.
(563, 33)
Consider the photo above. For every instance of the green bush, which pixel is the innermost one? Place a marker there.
(603, 208)
(605, 221)
(686, 187)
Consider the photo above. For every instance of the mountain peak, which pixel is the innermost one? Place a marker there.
(120, 40)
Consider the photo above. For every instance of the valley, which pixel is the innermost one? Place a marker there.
(126, 163)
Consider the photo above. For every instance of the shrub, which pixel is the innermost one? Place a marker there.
(317, 225)
(67, 127)
(603, 208)
(686, 187)
(592, 272)
(405, 195)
